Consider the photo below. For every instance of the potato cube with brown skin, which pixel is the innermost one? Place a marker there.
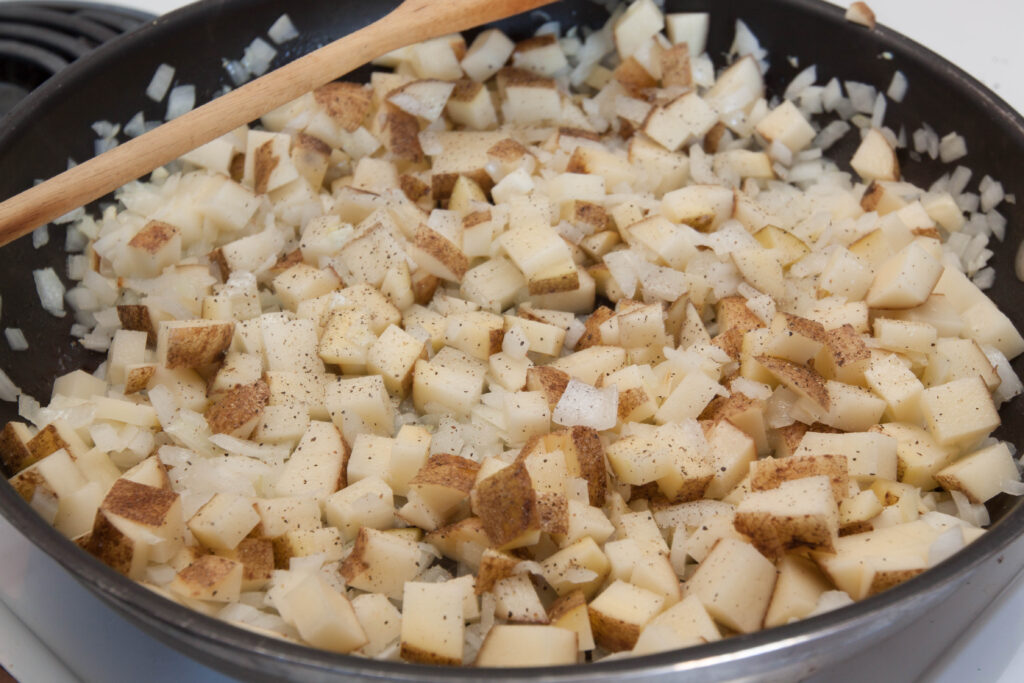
(802, 381)
(317, 466)
(980, 475)
(681, 625)
(360, 405)
(869, 455)
(959, 412)
(382, 563)
(147, 514)
(432, 623)
(15, 454)
(506, 503)
(152, 249)
(529, 99)
(367, 503)
(471, 106)
(734, 583)
(323, 616)
(584, 457)
(444, 481)
(463, 541)
(515, 645)
(257, 558)
(223, 521)
(495, 565)
(449, 382)
(193, 343)
(212, 578)
(619, 614)
(770, 473)
(239, 411)
(702, 207)
(570, 612)
(867, 563)
(796, 514)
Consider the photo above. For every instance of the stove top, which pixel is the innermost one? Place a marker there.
(38, 39)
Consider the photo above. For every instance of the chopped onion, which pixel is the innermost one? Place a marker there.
(160, 83)
(947, 544)
(9, 391)
(181, 101)
(16, 339)
(897, 87)
(136, 125)
(41, 236)
(952, 147)
(1012, 487)
(50, 290)
(258, 56)
(283, 30)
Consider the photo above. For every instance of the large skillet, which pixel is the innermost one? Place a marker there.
(53, 125)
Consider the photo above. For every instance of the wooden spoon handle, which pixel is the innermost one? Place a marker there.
(411, 22)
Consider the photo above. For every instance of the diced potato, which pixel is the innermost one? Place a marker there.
(527, 645)
(735, 584)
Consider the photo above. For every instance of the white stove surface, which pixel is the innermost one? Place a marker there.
(54, 631)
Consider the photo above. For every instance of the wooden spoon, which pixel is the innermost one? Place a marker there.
(411, 22)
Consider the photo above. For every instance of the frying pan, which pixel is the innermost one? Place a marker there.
(53, 125)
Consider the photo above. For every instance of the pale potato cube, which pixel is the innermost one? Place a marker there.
(959, 412)
(875, 159)
(981, 474)
(897, 385)
(516, 645)
(798, 513)
(690, 28)
(685, 623)
(432, 623)
(380, 619)
(638, 23)
(679, 122)
(488, 53)
(360, 405)
(324, 617)
(581, 566)
(797, 590)
(905, 280)
(735, 584)
(223, 521)
(450, 382)
(619, 614)
(382, 563)
(869, 455)
(368, 502)
(316, 467)
(393, 356)
(786, 125)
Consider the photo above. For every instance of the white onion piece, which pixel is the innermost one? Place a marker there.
(40, 236)
(1012, 487)
(181, 101)
(897, 87)
(283, 30)
(947, 544)
(9, 391)
(16, 339)
(160, 83)
(50, 290)
(952, 147)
